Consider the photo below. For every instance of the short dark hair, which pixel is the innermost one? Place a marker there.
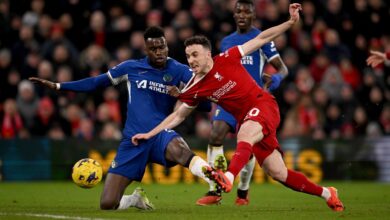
(250, 2)
(153, 32)
(198, 39)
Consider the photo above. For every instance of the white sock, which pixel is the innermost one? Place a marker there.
(230, 176)
(209, 149)
(127, 201)
(195, 167)
(246, 174)
(212, 152)
(325, 193)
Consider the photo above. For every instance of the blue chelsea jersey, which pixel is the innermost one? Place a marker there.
(253, 63)
(148, 101)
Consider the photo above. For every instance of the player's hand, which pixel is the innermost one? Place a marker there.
(294, 12)
(138, 137)
(272, 82)
(267, 80)
(375, 58)
(173, 91)
(44, 82)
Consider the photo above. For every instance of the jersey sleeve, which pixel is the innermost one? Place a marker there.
(270, 50)
(118, 73)
(234, 53)
(87, 84)
(189, 102)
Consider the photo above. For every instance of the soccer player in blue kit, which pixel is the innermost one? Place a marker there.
(224, 122)
(148, 104)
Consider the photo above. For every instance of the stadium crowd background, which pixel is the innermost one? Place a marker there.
(329, 93)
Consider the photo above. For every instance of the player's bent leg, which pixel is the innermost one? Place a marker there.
(275, 167)
(113, 190)
(218, 133)
(243, 185)
(178, 152)
(249, 134)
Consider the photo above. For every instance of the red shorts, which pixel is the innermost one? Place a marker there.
(266, 112)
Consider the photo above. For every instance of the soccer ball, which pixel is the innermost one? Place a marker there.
(87, 173)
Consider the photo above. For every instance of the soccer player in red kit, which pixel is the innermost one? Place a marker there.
(225, 81)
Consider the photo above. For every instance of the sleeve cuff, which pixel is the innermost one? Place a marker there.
(388, 55)
(241, 50)
(189, 106)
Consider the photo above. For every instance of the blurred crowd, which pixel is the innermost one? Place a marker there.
(330, 91)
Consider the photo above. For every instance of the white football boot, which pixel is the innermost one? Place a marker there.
(142, 200)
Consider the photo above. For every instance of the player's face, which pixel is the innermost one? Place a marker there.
(157, 51)
(244, 15)
(198, 57)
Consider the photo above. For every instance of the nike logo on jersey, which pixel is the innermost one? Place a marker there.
(142, 72)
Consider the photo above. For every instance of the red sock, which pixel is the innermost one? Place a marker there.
(299, 182)
(240, 157)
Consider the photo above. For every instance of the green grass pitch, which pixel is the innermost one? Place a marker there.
(64, 200)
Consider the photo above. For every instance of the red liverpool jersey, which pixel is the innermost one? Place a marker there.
(228, 84)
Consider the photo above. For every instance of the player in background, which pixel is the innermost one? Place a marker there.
(377, 58)
(148, 104)
(224, 122)
(225, 81)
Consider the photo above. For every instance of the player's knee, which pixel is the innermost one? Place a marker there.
(278, 174)
(250, 137)
(108, 204)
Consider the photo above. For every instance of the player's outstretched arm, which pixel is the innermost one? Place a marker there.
(169, 122)
(271, 33)
(83, 85)
(44, 82)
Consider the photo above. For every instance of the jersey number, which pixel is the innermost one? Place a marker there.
(254, 112)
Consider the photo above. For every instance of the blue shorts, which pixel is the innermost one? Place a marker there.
(130, 161)
(222, 115)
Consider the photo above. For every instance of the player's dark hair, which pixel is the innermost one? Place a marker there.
(153, 32)
(250, 2)
(198, 39)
